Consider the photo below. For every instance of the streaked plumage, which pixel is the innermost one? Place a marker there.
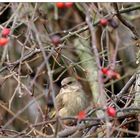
(71, 98)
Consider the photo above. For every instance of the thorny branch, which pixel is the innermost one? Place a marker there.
(93, 122)
(47, 50)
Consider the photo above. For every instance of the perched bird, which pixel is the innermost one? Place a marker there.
(71, 99)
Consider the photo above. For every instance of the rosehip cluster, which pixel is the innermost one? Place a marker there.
(4, 36)
(111, 74)
(64, 4)
(104, 22)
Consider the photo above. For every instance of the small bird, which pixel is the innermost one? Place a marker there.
(71, 98)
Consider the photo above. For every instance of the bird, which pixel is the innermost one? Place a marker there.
(71, 98)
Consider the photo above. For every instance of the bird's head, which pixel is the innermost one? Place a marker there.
(68, 81)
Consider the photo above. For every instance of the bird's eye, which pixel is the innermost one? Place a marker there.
(69, 83)
(66, 84)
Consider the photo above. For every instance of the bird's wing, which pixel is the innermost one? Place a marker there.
(59, 101)
(64, 112)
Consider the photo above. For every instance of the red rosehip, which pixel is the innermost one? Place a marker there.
(110, 74)
(55, 40)
(5, 32)
(68, 4)
(3, 41)
(60, 4)
(103, 22)
(81, 115)
(111, 111)
(105, 70)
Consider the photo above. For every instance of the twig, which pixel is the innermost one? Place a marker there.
(127, 86)
(126, 131)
